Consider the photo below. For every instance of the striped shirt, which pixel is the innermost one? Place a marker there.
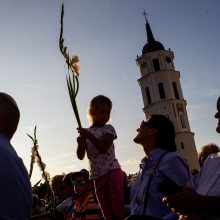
(88, 210)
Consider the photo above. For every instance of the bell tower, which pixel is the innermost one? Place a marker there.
(162, 93)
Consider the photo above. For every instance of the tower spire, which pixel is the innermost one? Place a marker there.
(152, 44)
(145, 15)
(150, 36)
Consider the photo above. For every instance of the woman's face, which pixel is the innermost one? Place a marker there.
(144, 133)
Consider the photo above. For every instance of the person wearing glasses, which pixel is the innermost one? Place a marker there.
(66, 206)
(62, 210)
(157, 137)
(82, 205)
(86, 206)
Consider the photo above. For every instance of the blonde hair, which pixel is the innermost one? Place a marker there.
(95, 103)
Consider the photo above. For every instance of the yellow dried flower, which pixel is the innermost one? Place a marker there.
(73, 65)
(75, 59)
(76, 69)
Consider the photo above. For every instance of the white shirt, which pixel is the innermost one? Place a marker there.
(207, 181)
(101, 163)
(169, 165)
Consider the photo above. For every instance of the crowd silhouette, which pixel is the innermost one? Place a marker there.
(105, 191)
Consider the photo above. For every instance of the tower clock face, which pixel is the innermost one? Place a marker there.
(168, 60)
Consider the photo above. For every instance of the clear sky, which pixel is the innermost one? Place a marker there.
(107, 35)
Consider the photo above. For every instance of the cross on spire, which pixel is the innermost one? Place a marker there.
(145, 15)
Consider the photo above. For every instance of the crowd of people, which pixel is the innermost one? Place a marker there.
(102, 193)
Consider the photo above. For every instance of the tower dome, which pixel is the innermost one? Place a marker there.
(151, 44)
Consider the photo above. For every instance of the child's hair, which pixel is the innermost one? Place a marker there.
(96, 102)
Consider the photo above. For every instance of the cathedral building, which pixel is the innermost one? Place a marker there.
(162, 94)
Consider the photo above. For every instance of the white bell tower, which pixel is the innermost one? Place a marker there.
(162, 94)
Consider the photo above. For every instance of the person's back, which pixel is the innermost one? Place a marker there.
(15, 187)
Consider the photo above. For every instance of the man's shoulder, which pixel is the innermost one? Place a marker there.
(212, 161)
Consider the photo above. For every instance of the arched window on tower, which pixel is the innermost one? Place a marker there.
(182, 120)
(156, 65)
(176, 93)
(161, 91)
(147, 91)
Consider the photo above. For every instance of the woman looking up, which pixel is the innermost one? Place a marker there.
(157, 137)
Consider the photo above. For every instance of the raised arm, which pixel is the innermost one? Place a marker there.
(102, 145)
(81, 148)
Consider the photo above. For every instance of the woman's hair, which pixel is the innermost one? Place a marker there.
(96, 102)
(165, 131)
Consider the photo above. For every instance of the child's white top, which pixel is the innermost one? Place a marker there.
(101, 163)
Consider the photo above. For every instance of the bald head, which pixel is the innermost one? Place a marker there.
(9, 115)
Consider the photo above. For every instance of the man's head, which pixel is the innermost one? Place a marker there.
(205, 151)
(58, 186)
(9, 115)
(217, 115)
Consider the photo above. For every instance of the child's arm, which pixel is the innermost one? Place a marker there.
(81, 148)
(102, 145)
